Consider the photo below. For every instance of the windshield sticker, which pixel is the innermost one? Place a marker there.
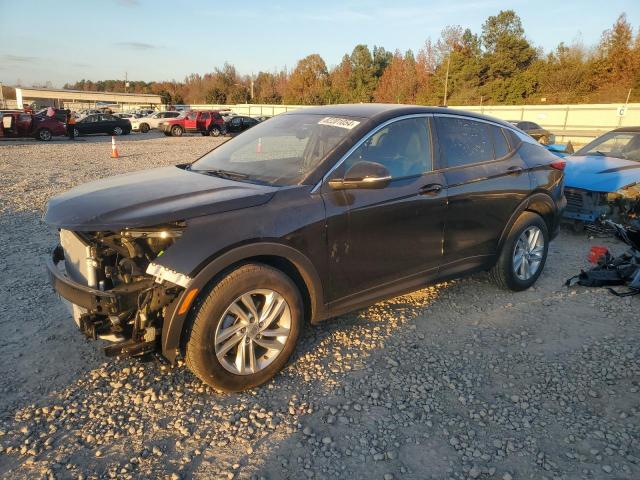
(339, 122)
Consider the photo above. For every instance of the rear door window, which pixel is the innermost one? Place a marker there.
(463, 141)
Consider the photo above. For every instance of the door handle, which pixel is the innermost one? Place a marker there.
(515, 170)
(430, 189)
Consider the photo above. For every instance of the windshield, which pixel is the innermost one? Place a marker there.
(282, 151)
(624, 145)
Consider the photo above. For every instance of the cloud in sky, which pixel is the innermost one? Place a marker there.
(137, 45)
(9, 58)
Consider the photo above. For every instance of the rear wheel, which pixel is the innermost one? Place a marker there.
(215, 132)
(44, 134)
(76, 132)
(523, 254)
(177, 131)
(117, 131)
(245, 329)
(144, 128)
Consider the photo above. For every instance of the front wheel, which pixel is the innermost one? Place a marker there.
(176, 131)
(144, 128)
(215, 132)
(523, 254)
(76, 132)
(245, 328)
(44, 134)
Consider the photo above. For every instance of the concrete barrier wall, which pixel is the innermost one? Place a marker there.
(578, 123)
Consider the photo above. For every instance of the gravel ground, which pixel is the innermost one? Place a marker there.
(460, 380)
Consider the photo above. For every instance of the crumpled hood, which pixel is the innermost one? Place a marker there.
(599, 173)
(150, 197)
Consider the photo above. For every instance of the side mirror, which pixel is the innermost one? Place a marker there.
(362, 175)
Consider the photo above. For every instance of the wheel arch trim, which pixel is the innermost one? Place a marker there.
(539, 202)
(174, 322)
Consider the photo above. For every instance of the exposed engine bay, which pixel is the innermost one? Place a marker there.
(133, 307)
(589, 206)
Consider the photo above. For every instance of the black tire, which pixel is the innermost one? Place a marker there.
(76, 132)
(167, 134)
(503, 272)
(204, 134)
(117, 131)
(208, 313)
(176, 131)
(144, 128)
(44, 134)
(215, 132)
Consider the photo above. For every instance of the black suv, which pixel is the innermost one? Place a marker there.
(307, 216)
(538, 133)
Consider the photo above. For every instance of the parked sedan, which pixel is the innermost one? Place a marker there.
(240, 123)
(102, 123)
(603, 178)
(128, 116)
(540, 134)
(312, 214)
(17, 124)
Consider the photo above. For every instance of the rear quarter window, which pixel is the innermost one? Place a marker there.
(500, 144)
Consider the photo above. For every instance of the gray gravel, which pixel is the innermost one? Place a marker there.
(461, 380)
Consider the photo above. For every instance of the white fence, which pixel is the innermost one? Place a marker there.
(578, 123)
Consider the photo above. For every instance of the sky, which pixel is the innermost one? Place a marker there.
(65, 41)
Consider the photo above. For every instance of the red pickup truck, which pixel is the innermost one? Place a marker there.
(206, 122)
(16, 124)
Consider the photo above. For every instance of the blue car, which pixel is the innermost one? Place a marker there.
(602, 179)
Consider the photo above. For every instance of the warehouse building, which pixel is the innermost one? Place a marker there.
(78, 99)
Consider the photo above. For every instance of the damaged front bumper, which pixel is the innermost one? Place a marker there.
(111, 315)
(117, 300)
(589, 206)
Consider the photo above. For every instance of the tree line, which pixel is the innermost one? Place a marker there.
(499, 65)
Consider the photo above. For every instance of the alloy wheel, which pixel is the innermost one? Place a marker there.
(252, 331)
(528, 253)
(117, 131)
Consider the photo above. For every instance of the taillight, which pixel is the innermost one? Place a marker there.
(558, 164)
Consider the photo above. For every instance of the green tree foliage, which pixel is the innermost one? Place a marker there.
(498, 65)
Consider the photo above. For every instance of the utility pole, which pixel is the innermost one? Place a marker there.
(624, 109)
(446, 80)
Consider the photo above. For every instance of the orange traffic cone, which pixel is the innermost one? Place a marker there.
(114, 149)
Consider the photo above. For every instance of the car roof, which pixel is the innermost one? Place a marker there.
(628, 129)
(378, 112)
